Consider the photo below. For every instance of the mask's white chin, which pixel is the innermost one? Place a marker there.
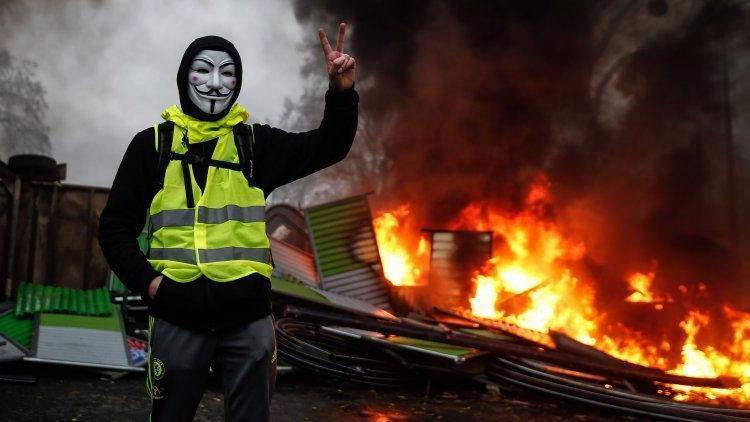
(209, 104)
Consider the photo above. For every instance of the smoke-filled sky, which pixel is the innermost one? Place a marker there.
(622, 104)
(109, 67)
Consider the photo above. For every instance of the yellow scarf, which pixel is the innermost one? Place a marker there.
(199, 130)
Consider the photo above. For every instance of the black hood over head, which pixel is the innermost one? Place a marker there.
(211, 42)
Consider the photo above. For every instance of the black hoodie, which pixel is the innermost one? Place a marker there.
(280, 158)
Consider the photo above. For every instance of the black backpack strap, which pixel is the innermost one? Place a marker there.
(165, 131)
(244, 138)
(197, 160)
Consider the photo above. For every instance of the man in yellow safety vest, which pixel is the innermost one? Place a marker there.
(198, 182)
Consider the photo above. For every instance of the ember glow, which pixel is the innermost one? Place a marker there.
(533, 281)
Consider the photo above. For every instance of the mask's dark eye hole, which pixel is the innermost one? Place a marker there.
(227, 74)
(204, 71)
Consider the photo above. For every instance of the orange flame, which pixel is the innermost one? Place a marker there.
(400, 267)
(531, 281)
(641, 285)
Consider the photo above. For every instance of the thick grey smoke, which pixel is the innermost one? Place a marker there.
(22, 108)
(109, 66)
(623, 104)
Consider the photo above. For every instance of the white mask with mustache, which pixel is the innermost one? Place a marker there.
(211, 81)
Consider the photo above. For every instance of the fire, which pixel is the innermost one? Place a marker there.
(532, 281)
(525, 268)
(641, 285)
(710, 363)
(483, 304)
(399, 266)
(513, 279)
(695, 363)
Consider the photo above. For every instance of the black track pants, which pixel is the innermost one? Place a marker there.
(245, 358)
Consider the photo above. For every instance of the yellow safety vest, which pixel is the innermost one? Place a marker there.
(224, 235)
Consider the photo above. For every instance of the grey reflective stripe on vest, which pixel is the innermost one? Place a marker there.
(171, 218)
(250, 214)
(234, 253)
(173, 254)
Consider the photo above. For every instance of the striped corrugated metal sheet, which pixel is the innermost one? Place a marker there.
(32, 298)
(346, 252)
(291, 261)
(19, 329)
(454, 256)
(311, 294)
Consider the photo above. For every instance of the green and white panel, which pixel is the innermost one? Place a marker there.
(346, 253)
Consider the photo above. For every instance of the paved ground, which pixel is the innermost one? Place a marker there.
(75, 395)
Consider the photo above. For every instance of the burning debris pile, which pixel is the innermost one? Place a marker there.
(537, 279)
(527, 315)
(594, 144)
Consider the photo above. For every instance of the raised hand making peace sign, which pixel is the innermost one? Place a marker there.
(341, 67)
